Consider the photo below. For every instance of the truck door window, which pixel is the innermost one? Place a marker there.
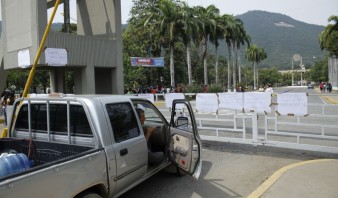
(123, 121)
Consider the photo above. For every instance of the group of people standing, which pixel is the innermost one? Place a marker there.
(267, 89)
(325, 87)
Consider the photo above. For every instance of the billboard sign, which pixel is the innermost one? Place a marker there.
(147, 62)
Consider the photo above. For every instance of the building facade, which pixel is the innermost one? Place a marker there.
(94, 53)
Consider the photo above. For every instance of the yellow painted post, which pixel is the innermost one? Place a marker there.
(37, 57)
(4, 133)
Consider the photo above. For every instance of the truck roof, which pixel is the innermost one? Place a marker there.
(60, 96)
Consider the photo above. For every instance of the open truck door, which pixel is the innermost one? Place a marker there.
(185, 143)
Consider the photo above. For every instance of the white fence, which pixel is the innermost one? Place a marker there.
(292, 122)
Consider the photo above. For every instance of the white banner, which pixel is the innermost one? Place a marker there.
(292, 104)
(258, 102)
(207, 102)
(170, 97)
(231, 100)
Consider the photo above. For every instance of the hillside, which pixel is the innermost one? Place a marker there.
(282, 37)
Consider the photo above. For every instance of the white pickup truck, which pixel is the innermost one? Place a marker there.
(95, 145)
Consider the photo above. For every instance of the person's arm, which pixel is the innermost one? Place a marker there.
(149, 131)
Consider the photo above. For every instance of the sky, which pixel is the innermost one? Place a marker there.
(308, 11)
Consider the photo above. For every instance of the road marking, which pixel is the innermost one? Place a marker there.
(274, 177)
(330, 100)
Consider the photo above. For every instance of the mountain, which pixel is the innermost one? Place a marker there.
(281, 37)
(56, 26)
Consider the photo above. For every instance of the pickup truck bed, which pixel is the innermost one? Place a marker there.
(42, 154)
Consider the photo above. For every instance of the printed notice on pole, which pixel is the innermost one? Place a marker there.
(292, 103)
(56, 56)
(24, 58)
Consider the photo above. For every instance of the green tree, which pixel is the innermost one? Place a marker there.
(207, 24)
(329, 37)
(216, 35)
(189, 34)
(255, 54)
(269, 76)
(166, 17)
(319, 72)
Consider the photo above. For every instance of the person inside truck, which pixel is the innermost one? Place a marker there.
(142, 118)
(154, 158)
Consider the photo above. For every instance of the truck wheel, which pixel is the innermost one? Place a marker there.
(89, 195)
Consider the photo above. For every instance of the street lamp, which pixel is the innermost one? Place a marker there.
(295, 57)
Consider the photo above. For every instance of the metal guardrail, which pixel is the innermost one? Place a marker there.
(317, 131)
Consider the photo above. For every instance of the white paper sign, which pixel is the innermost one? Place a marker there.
(24, 58)
(207, 102)
(170, 97)
(292, 103)
(231, 100)
(149, 97)
(257, 101)
(56, 56)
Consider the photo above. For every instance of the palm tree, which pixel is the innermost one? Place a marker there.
(216, 34)
(166, 18)
(329, 37)
(206, 24)
(189, 33)
(241, 38)
(255, 54)
(229, 39)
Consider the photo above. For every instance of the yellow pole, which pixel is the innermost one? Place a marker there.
(37, 57)
(4, 133)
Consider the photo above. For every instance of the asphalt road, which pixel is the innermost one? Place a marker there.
(229, 170)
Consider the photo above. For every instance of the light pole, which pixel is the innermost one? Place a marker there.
(295, 57)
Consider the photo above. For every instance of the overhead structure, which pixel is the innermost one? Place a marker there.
(94, 52)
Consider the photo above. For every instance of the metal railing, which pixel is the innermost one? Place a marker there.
(316, 131)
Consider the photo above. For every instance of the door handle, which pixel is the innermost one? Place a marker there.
(124, 152)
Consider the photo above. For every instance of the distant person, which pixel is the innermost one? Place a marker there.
(47, 90)
(321, 87)
(329, 87)
(269, 89)
(7, 98)
(179, 89)
(205, 89)
(261, 89)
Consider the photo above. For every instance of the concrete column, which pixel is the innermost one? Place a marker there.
(52, 83)
(57, 80)
(88, 80)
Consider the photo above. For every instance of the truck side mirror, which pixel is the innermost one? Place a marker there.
(182, 121)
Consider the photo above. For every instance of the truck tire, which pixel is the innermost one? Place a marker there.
(89, 195)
